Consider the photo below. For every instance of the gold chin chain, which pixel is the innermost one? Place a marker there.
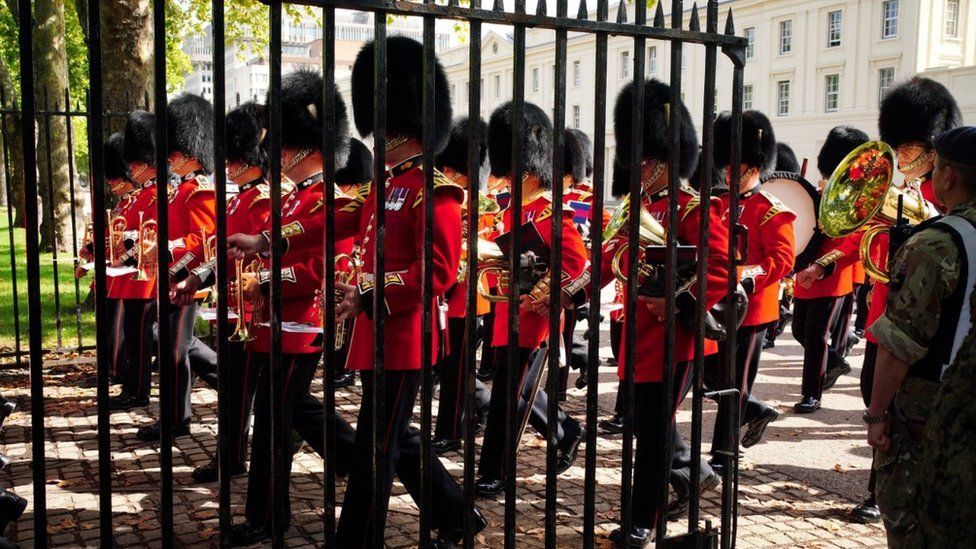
(244, 167)
(914, 164)
(647, 184)
(396, 142)
(302, 155)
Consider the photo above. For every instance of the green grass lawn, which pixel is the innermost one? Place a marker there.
(69, 331)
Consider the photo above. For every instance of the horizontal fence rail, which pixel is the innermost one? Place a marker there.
(390, 440)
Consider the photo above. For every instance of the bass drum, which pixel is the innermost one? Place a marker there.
(800, 196)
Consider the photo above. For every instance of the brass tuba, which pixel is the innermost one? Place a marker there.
(860, 194)
(146, 266)
(242, 332)
(650, 232)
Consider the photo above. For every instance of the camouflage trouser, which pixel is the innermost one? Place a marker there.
(898, 469)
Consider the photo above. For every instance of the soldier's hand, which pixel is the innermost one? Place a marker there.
(655, 305)
(878, 436)
(808, 276)
(80, 272)
(183, 293)
(351, 304)
(242, 246)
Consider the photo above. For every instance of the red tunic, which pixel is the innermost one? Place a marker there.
(842, 253)
(651, 336)
(304, 234)
(533, 328)
(770, 255)
(192, 219)
(125, 287)
(403, 284)
(125, 204)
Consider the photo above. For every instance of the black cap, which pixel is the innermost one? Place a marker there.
(957, 145)
(455, 154)
(916, 112)
(758, 141)
(189, 128)
(359, 168)
(405, 91)
(786, 159)
(115, 166)
(246, 128)
(139, 144)
(301, 115)
(656, 116)
(536, 142)
(840, 142)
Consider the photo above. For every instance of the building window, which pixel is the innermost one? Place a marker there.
(535, 79)
(625, 64)
(576, 116)
(454, 94)
(886, 77)
(783, 98)
(751, 46)
(834, 19)
(832, 93)
(747, 97)
(952, 18)
(889, 25)
(652, 60)
(577, 74)
(786, 37)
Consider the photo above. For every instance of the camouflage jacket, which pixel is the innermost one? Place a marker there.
(924, 273)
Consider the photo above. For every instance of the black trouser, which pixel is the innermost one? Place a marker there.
(862, 293)
(243, 384)
(310, 424)
(299, 369)
(140, 314)
(811, 328)
(487, 350)
(575, 346)
(399, 445)
(749, 342)
(532, 408)
(841, 325)
(650, 476)
(190, 356)
(616, 334)
(867, 385)
(453, 397)
(116, 337)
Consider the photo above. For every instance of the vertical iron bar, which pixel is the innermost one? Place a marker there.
(379, 263)
(167, 373)
(596, 254)
(96, 139)
(630, 325)
(278, 485)
(470, 321)
(670, 281)
(28, 135)
(515, 251)
(331, 357)
(10, 233)
(555, 278)
(427, 292)
(71, 200)
(222, 347)
(52, 219)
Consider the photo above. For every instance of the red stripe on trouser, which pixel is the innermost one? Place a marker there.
(386, 443)
(826, 339)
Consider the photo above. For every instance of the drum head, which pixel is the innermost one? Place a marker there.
(799, 196)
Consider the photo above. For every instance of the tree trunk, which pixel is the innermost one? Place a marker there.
(127, 63)
(50, 80)
(15, 151)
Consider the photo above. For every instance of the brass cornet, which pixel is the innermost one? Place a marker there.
(650, 232)
(242, 332)
(209, 246)
(116, 235)
(343, 277)
(146, 267)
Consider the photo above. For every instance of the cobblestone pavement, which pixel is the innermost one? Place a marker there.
(796, 488)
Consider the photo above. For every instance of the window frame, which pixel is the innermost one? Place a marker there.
(786, 38)
(750, 34)
(577, 73)
(954, 21)
(577, 117)
(652, 60)
(889, 32)
(625, 64)
(748, 97)
(882, 88)
(535, 80)
(834, 94)
(780, 110)
(835, 41)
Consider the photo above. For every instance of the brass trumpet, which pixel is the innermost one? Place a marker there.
(146, 267)
(649, 233)
(491, 260)
(116, 235)
(209, 246)
(860, 193)
(243, 330)
(343, 277)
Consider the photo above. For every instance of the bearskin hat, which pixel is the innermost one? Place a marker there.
(245, 132)
(405, 96)
(786, 159)
(619, 179)
(139, 143)
(302, 111)
(575, 151)
(840, 142)
(758, 141)
(917, 111)
(587, 147)
(359, 167)
(455, 154)
(189, 128)
(115, 166)
(656, 117)
(536, 142)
